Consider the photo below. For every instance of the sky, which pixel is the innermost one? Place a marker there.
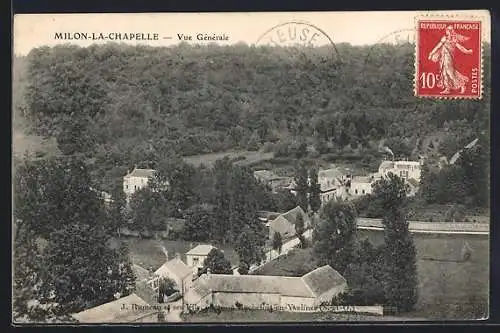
(357, 28)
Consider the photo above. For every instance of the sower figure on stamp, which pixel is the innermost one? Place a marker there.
(450, 78)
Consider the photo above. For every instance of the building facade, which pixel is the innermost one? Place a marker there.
(274, 181)
(257, 291)
(178, 271)
(197, 255)
(136, 180)
(404, 169)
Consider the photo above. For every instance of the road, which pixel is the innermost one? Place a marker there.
(174, 316)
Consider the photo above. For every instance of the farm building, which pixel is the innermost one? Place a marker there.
(254, 291)
(178, 271)
(285, 223)
(271, 179)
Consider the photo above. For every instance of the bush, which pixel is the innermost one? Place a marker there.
(456, 213)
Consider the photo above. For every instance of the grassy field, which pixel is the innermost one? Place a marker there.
(23, 143)
(243, 157)
(282, 317)
(148, 253)
(448, 288)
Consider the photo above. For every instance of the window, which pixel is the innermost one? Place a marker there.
(126, 186)
(195, 261)
(363, 191)
(135, 187)
(356, 191)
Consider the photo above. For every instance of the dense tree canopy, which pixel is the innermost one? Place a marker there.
(55, 204)
(124, 105)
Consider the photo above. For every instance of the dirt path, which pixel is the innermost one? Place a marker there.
(174, 316)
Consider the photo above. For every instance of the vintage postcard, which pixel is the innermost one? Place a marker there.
(251, 167)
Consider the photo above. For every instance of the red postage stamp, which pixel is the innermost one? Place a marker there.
(448, 61)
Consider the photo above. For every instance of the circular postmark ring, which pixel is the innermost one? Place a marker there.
(410, 38)
(299, 33)
(303, 42)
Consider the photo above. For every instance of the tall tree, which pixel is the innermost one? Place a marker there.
(302, 186)
(314, 191)
(299, 229)
(427, 184)
(399, 250)
(277, 242)
(51, 192)
(335, 235)
(179, 176)
(222, 170)
(145, 210)
(78, 267)
(82, 271)
(247, 248)
(285, 200)
(217, 263)
(200, 223)
(117, 211)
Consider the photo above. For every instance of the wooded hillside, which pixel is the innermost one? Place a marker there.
(125, 105)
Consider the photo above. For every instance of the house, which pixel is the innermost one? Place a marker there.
(136, 180)
(146, 284)
(360, 185)
(330, 181)
(404, 169)
(273, 180)
(285, 223)
(129, 309)
(178, 271)
(197, 255)
(256, 291)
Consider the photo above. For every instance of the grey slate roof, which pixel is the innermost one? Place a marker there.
(143, 173)
(177, 267)
(201, 250)
(323, 279)
(283, 285)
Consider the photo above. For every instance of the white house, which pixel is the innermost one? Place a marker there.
(178, 271)
(197, 255)
(253, 291)
(136, 179)
(404, 169)
(361, 185)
